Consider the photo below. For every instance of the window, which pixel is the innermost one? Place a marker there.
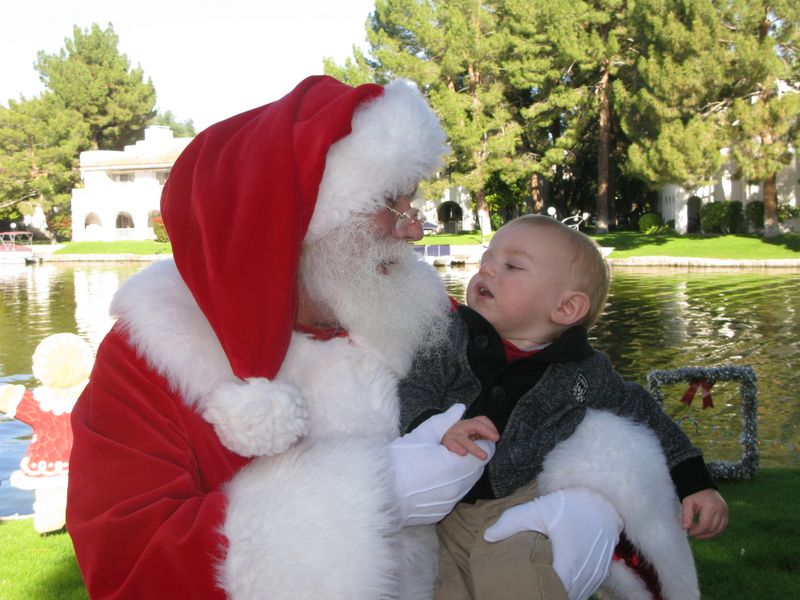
(122, 177)
(92, 219)
(124, 221)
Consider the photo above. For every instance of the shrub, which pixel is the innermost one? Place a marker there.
(650, 223)
(159, 230)
(60, 225)
(754, 215)
(736, 217)
(721, 217)
(787, 212)
(496, 220)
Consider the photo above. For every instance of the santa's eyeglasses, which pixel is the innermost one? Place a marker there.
(410, 216)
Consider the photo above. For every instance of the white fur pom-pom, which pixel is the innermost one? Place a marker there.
(257, 417)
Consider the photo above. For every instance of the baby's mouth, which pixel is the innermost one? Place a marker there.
(484, 292)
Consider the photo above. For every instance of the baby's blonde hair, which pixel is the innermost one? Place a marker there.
(588, 268)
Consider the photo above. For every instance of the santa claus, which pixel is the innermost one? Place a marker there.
(239, 433)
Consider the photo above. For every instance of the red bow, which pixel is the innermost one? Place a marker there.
(706, 390)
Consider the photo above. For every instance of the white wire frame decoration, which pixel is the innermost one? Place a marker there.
(748, 439)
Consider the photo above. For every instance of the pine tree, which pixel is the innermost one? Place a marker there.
(574, 54)
(40, 140)
(764, 118)
(179, 128)
(671, 110)
(714, 82)
(91, 76)
(454, 50)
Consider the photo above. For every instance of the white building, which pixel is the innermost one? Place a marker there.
(683, 205)
(451, 213)
(121, 190)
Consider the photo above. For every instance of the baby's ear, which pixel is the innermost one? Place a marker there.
(572, 307)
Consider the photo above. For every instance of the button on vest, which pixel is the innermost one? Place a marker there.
(498, 392)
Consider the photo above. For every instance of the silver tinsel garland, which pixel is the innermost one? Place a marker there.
(746, 468)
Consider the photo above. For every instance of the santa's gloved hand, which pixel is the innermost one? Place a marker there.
(429, 479)
(583, 528)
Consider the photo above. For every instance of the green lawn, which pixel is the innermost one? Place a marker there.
(758, 557)
(128, 247)
(625, 244)
(630, 243)
(735, 247)
(37, 567)
(467, 238)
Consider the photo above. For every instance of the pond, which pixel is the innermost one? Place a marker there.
(655, 319)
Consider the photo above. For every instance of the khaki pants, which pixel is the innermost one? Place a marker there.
(470, 568)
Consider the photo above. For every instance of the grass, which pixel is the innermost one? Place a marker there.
(757, 557)
(735, 247)
(138, 247)
(466, 238)
(625, 244)
(34, 566)
(632, 243)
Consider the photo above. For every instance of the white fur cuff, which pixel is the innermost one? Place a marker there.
(257, 417)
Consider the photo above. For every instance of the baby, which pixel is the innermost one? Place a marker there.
(520, 360)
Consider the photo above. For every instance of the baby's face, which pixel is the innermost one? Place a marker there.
(522, 278)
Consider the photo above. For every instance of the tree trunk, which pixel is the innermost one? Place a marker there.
(603, 154)
(482, 213)
(770, 186)
(535, 201)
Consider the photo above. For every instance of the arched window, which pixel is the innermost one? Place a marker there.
(152, 215)
(92, 219)
(449, 211)
(124, 221)
(450, 214)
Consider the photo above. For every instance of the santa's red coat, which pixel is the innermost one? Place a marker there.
(145, 518)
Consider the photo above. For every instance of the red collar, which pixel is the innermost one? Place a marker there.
(514, 353)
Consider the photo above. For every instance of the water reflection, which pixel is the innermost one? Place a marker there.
(654, 320)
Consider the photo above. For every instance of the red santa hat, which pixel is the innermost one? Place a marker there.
(248, 191)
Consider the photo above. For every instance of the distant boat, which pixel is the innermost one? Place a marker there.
(16, 247)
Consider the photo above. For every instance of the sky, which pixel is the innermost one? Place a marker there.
(208, 59)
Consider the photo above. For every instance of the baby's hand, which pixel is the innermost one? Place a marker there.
(459, 437)
(711, 511)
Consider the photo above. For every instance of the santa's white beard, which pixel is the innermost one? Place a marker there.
(377, 290)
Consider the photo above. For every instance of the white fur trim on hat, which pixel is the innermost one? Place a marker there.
(257, 417)
(252, 417)
(396, 140)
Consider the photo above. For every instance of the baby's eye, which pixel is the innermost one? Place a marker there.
(511, 267)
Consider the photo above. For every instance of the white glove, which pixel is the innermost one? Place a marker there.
(429, 479)
(583, 527)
